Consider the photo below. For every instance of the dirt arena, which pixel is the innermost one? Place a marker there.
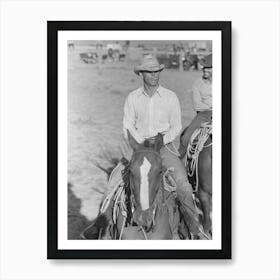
(96, 96)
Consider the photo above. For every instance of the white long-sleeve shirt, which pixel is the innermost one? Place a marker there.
(146, 116)
(202, 95)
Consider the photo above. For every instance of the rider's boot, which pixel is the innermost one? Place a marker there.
(189, 213)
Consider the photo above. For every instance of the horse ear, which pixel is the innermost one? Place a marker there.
(159, 142)
(132, 142)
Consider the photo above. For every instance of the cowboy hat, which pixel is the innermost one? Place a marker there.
(148, 63)
(206, 62)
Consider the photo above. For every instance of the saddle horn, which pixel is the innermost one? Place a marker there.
(159, 142)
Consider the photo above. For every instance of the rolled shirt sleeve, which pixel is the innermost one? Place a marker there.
(130, 119)
(198, 103)
(175, 121)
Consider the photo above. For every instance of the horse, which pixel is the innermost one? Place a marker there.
(89, 57)
(190, 61)
(144, 207)
(198, 163)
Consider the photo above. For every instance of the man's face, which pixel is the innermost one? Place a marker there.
(207, 73)
(150, 78)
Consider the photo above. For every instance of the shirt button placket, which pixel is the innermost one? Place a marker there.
(151, 117)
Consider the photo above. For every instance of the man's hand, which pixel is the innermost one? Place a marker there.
(156, 142)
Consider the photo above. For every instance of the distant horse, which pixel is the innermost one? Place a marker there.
(190, 61)
(89, 57)
(143, 208)
(113, 56)
(199, 168)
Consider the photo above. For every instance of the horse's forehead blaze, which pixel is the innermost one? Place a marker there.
(145, 166)
(144, 184)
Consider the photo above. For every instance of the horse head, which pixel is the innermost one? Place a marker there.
(145, 178)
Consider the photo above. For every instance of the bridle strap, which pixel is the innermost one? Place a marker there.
(162, 188)
(147, 151)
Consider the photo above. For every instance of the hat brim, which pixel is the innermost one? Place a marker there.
(141, 68)
(206, 62)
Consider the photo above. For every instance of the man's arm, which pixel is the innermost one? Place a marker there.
(129, 120)
(175, 121)
(197, 100)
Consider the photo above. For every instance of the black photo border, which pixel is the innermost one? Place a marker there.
(52, 139)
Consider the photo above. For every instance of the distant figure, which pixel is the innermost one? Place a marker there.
(111, 54)
(126, 46)
(175, 49)
(71, 46)
(190, 61)
(202, 101)
(99, 46)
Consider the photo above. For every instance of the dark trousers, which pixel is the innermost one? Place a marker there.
(184, 188)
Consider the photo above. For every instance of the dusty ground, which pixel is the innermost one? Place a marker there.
(96, 95)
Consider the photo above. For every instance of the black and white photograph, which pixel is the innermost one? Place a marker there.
(125, 86)
(139, 140)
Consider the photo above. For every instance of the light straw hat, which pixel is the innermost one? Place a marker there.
(148, 63)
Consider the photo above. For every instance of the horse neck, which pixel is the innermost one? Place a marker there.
(207, 149)
(208, 143)
(160, 196)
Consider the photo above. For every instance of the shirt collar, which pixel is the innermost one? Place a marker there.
(156, 92)
(206, 81)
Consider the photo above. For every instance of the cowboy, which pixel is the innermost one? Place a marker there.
(153, 109)
(202, 100)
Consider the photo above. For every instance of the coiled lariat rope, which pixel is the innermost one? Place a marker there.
(144, 233)
(115, 190)
(117, 203)
(124, 214)
(195, 146)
